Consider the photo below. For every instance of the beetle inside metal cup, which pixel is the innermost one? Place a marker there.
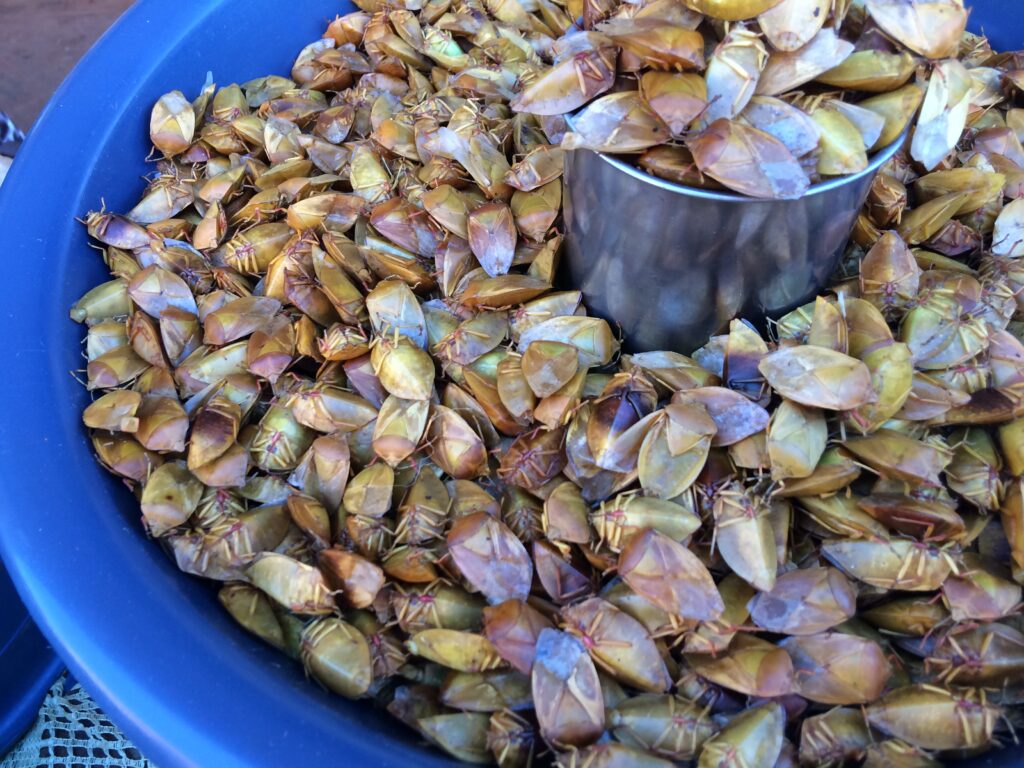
(672, 265)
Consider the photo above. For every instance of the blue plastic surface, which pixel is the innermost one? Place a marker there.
(28, 666)
(1001, 20)
(152, 645)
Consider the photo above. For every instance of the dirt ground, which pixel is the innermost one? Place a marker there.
(40, 41)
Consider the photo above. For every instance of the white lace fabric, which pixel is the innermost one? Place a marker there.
(72, 732)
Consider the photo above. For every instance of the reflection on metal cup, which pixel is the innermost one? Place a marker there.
(672, 265)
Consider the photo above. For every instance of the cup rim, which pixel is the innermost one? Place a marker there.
(876, 161)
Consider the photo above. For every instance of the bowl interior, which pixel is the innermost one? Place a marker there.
(154, 647)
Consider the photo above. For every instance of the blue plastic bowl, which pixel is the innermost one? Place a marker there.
(28, 666)
(152, 645)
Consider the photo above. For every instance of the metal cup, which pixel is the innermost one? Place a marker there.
(672, 265)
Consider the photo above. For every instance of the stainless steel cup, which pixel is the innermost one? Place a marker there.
(672, 265)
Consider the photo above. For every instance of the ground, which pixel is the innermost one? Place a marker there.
(40, 41)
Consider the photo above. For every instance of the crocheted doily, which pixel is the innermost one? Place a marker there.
(72, 732)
